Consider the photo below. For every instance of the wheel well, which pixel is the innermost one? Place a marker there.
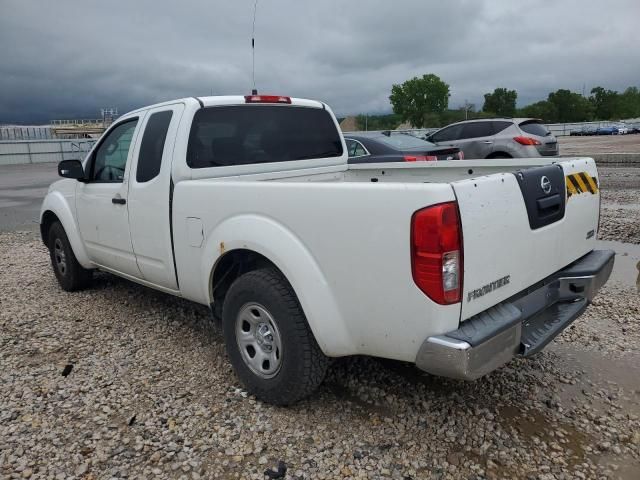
(48, 219)
(232, 265)
(499, 155)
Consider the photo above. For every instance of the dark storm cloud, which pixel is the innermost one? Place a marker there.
(69, 58)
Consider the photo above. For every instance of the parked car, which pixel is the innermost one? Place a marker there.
(247, 205)
(609, 130)
(376, 147)
(623, 129)
(634, 128)
(498, 138)
(584, 131)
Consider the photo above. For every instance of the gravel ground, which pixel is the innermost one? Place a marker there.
(620, 214)
(122, 381)
(588, 146)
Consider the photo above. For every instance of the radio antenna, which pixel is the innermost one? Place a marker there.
(253, 49)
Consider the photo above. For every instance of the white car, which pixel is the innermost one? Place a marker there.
(622, 129)
(248, 205)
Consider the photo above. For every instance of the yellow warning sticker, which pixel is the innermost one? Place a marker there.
(581, 182)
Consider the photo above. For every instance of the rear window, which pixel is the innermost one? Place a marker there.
(242, 135)
(404, 141)
(535, 128)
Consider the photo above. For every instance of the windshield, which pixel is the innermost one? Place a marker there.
(404, 141)
(535, 128)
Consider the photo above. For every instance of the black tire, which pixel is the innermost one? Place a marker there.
(302, 365)
(500, 155)
(70, 274)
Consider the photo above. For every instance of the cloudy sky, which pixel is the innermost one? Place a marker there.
(68, 58)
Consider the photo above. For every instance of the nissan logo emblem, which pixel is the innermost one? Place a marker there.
(545, 184)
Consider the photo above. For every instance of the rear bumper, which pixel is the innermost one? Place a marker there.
(520, 326)
(549, 149)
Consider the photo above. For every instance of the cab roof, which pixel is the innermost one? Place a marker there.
(219, 100)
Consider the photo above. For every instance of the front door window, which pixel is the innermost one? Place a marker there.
(111, 156)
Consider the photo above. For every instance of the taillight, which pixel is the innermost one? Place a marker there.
(420, 158)
(526, 141)
(436, 252)
(266, 99)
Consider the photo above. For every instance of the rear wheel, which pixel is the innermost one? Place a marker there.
(269, 342)
(70, 274)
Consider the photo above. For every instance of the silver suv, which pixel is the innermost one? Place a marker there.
(498, 138)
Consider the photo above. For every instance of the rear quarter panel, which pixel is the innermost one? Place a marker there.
(344, 247)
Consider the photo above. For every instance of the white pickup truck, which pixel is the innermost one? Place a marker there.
(248, 205)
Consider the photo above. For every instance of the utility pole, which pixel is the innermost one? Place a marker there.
(467, 107)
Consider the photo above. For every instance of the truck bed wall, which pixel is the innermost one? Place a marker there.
(443, 171)
(344, 247)
(418, 172)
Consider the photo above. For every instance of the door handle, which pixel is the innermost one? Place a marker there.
(488, 142)
(118, 201)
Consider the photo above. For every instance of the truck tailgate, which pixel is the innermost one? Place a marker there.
(519, 228)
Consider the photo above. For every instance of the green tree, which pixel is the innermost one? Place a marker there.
(417, 99)
(501, 102)
(629, 104)
(605, 103)
(570, 106)
(544, 110)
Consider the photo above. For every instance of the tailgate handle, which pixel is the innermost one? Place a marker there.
(549, 205)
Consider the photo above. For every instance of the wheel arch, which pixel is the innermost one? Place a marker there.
(55, 208)
(271, 244)
(230, 266)
(48, 219)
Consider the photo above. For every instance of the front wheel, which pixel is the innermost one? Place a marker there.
(269, 342)
(70, 274)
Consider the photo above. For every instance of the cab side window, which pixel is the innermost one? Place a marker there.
(110, 159)
(499, 126)
(152, 146)
(477, 129)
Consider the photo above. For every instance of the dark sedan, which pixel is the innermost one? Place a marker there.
(610, 130)
(376, 147)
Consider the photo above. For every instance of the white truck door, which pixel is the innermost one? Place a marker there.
(101, 202)
(149, 194)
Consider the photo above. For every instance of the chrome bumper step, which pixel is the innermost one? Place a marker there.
(522, 325)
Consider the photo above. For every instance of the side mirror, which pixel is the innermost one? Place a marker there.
(71, 169)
